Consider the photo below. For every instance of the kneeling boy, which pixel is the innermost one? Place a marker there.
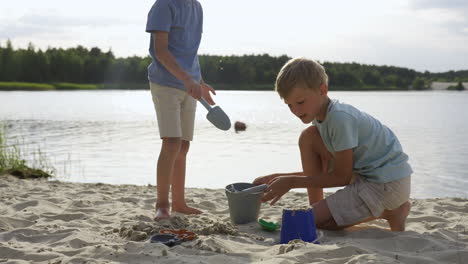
(344, 147)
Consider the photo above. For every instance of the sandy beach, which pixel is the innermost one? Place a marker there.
(59, 222)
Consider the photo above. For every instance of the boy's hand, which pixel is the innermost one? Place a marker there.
(277, 188)
(264, 179)
(206, 89)
(194, 89)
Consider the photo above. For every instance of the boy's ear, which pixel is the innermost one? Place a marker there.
(323, 89)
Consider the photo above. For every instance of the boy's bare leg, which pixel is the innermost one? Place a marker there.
(178, 182)
(323, 216)
(397, 217)
(314, 157)
(315, 194)
(169, 150)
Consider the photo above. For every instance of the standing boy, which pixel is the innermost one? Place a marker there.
(344, 147)
(176, 85)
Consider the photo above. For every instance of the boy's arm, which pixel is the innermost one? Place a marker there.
(161, 40)
(340, 176)
(206, 89)
(268, 178)
(293, 173)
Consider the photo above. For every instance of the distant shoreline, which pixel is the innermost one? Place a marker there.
(25, 86)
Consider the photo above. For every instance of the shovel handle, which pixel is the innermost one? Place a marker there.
(257, 188)
(205, 104)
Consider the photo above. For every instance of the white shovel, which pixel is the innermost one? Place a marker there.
(216, 116)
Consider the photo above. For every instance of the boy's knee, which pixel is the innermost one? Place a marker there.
(184, 148)
(171, 145)
(330, 225)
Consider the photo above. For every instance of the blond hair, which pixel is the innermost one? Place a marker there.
(300, 71)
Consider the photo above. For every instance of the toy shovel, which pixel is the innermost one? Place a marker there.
(255, 189)
(216, 116)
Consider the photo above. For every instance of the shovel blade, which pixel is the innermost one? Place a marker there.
(219, 118)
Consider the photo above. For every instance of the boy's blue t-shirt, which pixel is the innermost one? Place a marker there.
(377, 153)
(183, 20)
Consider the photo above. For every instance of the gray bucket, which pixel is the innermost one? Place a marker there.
(243, 207)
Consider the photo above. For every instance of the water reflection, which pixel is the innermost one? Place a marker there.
(111, 136)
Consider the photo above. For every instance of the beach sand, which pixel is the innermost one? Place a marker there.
(59, 222)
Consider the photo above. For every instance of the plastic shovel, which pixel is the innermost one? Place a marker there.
(255, 189)
(268, 226)
(216, 116)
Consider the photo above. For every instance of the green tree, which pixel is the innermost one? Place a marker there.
(372, 77)
(419, 84)
(1, 62)
(458, 87)
(346, 79)
(33, 65)
(83, 65)
(10, 64)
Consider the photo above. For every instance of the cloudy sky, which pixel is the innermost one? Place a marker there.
(419, 34)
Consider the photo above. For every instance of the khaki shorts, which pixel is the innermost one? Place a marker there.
(363, 199)
(175, 110)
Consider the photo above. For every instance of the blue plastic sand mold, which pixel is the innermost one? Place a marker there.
(298, 224)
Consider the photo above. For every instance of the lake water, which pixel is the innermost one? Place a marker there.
(112, 136)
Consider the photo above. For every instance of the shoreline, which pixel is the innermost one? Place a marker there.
(65, 86)
(60, 222)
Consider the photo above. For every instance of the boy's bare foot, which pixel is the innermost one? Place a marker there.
(185, 209)
(396, 218)
(162, 212)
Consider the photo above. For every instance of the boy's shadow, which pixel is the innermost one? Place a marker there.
(255, 231)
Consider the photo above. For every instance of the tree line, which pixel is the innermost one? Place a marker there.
(93, 66)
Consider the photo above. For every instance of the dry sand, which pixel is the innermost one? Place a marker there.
(59, 222)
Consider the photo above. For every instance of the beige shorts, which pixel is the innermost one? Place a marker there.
(363, 199)
(175, 110)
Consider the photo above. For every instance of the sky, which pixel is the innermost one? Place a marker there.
(417, 34)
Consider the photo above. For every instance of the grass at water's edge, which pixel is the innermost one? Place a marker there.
(13, 160)
(23, 86)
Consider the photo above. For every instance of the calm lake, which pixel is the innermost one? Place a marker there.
(112, 136)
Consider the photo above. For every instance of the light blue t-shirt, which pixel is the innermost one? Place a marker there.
(377, 153)
(183, 19)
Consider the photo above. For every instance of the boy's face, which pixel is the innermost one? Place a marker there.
(308, 104)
